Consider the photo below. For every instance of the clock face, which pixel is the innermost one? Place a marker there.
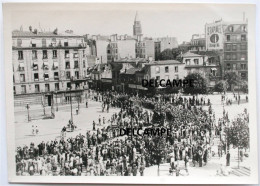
(214, 38)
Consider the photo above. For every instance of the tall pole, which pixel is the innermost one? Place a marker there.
(27, 106)
(56, 103)
(71, 115)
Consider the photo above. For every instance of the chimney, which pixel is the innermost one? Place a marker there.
(30, 28)
(55, 31)
(35, 31)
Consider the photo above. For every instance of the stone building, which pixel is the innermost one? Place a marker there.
(47, 63)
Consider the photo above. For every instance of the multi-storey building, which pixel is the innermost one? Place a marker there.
(235, 49)
(230, 40)
(198, 43)
(167, 43)
(145, 49)
(206, 63)
(47, 63)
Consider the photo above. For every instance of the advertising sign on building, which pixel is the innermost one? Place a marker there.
(214, 35)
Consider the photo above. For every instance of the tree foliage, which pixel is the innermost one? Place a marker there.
(221, 86)
(199, 85)
(232, 78)
(238, 134)
(171, 54)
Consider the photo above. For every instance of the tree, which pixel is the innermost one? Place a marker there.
(171, 54)
(221, 86)
(238, 135)
(232, 78)
(199, 85)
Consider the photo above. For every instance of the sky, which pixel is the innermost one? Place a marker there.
(158, 20)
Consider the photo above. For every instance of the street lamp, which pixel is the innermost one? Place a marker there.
(57, 109)
(71, 117)
(28, 107)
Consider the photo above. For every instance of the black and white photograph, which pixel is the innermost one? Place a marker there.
(131, 89)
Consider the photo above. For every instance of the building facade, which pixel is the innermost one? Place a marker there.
(145, 49)
(235, 49)
(47, 63)
(198, 43)
(207, 64)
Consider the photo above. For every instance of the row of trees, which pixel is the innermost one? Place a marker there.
(231, 79)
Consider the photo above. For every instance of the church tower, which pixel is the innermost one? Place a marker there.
(137, 28)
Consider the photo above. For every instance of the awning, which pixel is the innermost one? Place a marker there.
(21, 64)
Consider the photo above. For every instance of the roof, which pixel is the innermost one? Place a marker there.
(131, 60)
(18, 33)
(131, 71)
(190, 54)
(207, 53)
(165, 62)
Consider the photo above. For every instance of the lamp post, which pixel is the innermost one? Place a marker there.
(71, 115)
(57, 109)
(28, 107)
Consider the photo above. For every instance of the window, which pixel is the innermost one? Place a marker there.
(57, 87)
(243, 28)
(228, 66)
(20, 55)
(108, 51)
(176, 76)
(228, 37)
(176, 69)
(157, 70)
(243, 37)
(213, 72)
(54, 53)
(67, 75)
(68, 85)
(75, 55)
(231, 29)
(19, 42)
(84, 64)
(43, 42)
(116, 51)
(234, 66)
(55, 65)
(34, 54)
(66, 44)
(47, 87)
(35, 66)
(21, 66)
(243, 66)
(45, 65)
(158, 77)
(23, 89)
(67, 53)
(228, 57)
(36, 77)
(228, 47)
(234, 47)
(56, 75)
(44, 54)
(37, 88)
(196, 61)
(243, 75)
(14, 90)
(46, 76)
(166, 69)
(76, 64)
(33, 45)
(22, 77)
(77, 74)
(67, 65)
(243, 57)
(234, 56)
(187, 61)
(243, 47)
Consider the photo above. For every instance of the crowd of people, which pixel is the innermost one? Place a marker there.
(103, 152)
